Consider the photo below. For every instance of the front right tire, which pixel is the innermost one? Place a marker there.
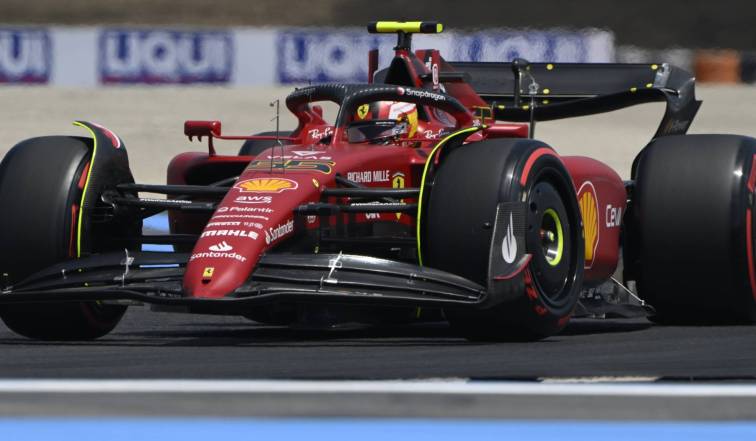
(470, 183)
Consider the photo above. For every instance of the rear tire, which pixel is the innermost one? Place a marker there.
(41, 185)
(469, 185)
(253, 147)
(694, 225)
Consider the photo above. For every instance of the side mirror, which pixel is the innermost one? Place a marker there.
(202, 128)
(199, 129)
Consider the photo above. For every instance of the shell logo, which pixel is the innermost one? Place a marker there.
(588, 203)
(266, 185)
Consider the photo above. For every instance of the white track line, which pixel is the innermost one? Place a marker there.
(456, 387)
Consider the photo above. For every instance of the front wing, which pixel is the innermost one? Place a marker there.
(156, 278)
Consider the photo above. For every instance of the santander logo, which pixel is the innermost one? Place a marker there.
(219, 247)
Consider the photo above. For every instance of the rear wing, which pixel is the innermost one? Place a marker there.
(577, 89)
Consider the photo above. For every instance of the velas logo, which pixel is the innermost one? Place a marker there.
(589, 210)
(266, 185)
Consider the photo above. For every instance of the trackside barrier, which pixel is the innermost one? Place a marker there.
(95, 56)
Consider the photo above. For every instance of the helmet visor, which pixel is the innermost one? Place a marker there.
(375, 130)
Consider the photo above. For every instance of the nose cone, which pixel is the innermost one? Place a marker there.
(256, 214)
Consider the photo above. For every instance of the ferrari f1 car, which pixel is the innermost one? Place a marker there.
(427, 198)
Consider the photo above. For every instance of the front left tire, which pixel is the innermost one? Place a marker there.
(41, 183)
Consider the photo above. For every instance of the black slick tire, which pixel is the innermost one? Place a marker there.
(40, 189)
(467, 187)
(693, 229)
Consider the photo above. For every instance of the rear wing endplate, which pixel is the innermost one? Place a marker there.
(568, 90)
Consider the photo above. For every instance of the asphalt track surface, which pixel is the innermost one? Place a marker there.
(167, 345)
(149, 345)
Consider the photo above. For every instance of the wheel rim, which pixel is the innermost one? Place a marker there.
(552, 249)
(552, 237)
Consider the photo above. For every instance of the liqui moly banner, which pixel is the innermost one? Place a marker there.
(333, 55)
(93, 56)
(25, 56)
(165, 56)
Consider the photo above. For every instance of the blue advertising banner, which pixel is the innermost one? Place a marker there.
(321, 56)
(25, 56)
(336, 55)
(165, 56)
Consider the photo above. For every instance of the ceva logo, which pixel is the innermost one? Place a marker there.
(25, 56)
(163, 56)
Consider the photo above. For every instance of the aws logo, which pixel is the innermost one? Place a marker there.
(589, 210)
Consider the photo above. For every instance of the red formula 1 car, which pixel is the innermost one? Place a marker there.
(415, 203)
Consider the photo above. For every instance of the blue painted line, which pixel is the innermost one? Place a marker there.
(158, 222)
(33, 429)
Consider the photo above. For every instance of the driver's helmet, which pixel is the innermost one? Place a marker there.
(381, 122)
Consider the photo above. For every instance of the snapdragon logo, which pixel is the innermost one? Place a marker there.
(272, 234)
(421, 94)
